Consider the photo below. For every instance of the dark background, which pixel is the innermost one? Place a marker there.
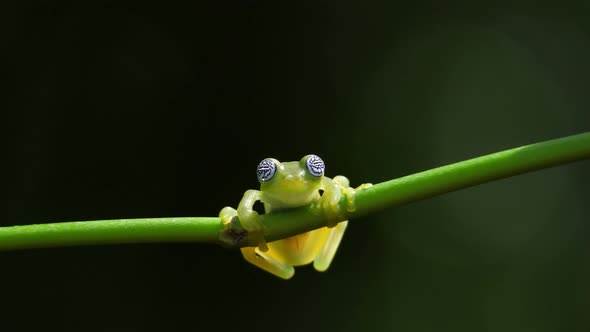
(127, 110)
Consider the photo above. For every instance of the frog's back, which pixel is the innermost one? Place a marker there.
(299, 249)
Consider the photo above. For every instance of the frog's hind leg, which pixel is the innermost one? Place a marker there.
(267, 263)
(326, 254)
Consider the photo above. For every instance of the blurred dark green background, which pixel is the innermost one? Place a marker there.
(126, 110)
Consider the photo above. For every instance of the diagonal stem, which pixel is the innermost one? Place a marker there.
(287, 223)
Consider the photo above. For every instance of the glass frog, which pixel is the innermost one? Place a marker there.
(285, 185)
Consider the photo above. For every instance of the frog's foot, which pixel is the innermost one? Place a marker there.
(326, 254)
(350, 194)
(330, 208)
(338, 187)
(333, 191)
(232, 232)
(227, 214)
(251, 223)
(342, 181)
(266, 262)
(258, 237)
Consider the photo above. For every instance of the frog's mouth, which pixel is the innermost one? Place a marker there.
(294, 185)
(293, 193)
(294, 199)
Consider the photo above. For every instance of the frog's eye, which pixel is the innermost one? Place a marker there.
(266, 170)
(315, 166)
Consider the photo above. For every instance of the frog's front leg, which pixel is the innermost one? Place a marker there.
(250, 220)
(329, 200)
(333, 191)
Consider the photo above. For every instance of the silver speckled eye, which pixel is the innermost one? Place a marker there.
(266, 170)
(315, 166)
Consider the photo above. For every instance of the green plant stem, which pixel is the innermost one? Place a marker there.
(109, 232)
(287, 223)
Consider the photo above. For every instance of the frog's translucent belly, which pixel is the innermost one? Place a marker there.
(299, 249)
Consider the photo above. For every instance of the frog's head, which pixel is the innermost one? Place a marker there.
(292, 183)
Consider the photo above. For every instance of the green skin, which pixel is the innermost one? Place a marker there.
(293, 186)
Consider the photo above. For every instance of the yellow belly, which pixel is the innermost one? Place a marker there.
(299, 249)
